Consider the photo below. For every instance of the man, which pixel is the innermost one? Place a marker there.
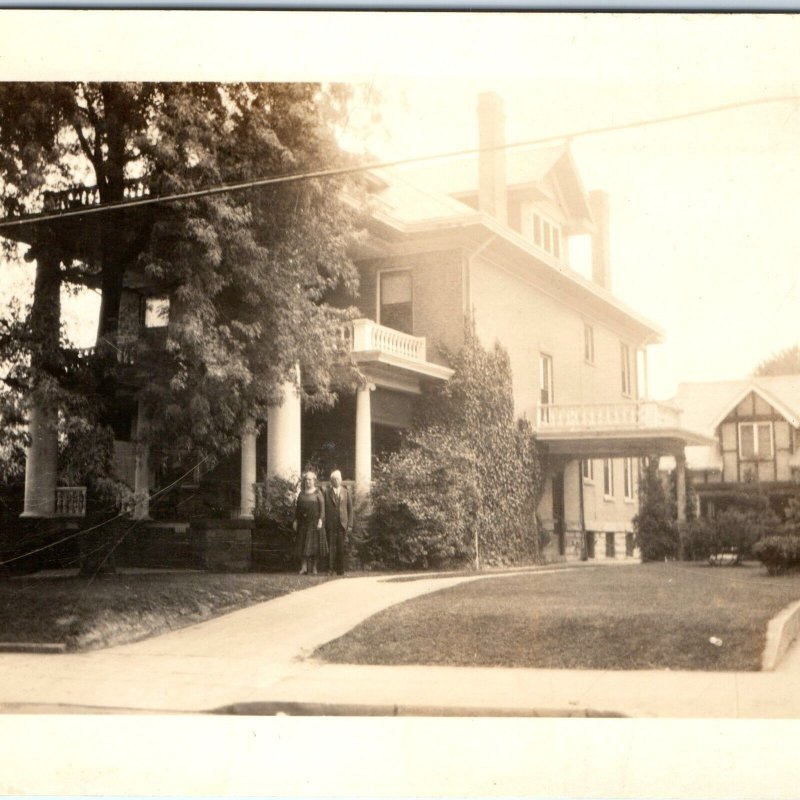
(338, 520)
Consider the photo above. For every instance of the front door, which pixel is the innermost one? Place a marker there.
(559, 526)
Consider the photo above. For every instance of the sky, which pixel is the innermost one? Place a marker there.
(704, 238)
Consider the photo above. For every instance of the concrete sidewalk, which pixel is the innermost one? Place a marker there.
(258, 657)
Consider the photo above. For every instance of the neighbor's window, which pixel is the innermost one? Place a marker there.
(587, 467)
(755, 440)
(628, 478)
(156, 312)
(588, 343)
(608, 477)
(625, 357)
(396, 309)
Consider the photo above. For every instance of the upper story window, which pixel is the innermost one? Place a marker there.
(156, 312)
(396, 306)
(608, 477)
(545, 234)
(625, 358)
(588, 344)
(755, 440)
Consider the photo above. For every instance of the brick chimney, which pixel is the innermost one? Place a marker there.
(492, 198)
(601, 259)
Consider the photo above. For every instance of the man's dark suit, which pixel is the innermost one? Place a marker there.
(338, 523)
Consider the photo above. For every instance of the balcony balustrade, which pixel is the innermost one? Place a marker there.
(70, 501)
(557, 418)
(365, 335)
(82, 196)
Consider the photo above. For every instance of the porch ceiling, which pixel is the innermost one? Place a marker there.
(618, 443)
(396, 372)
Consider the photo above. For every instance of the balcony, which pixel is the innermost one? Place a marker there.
(391, 358)
(613, 429)
(82, 196)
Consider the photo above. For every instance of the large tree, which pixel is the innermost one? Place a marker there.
(785, 362)
(248, 272)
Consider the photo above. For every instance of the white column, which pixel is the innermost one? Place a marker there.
(247, 492)
(363, 439)
(283, 435)
(141, 475)
(41, 464)
(680, 484)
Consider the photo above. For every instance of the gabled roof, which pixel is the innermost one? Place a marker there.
(525, 169)
(706, 404)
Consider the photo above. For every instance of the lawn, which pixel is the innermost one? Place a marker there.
(643, 616)
(127, 606)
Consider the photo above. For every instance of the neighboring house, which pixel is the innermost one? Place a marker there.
(755, 425)
(487, 240)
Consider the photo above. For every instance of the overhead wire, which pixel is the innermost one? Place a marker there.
(360, 168)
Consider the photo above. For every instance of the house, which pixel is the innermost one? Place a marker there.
(755, 427)
(483, 239)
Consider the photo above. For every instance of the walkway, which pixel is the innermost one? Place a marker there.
(259, 655)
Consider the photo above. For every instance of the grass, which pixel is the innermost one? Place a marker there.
(127, 606)
(646, 616)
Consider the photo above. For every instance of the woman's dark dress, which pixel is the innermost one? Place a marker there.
(311, 540)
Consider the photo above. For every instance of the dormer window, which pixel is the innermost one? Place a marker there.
(544, 233)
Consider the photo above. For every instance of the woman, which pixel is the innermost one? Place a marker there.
(309, 524)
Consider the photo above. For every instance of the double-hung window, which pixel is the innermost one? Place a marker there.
(546, 397)
(608, 477)
(587, 469)
(396, 307)
(625, 360)
(588, 344)
(627, 478)
(755, 441)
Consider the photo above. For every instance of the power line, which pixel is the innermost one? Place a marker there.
(352, 170)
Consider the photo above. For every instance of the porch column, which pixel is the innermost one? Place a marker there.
(141, 474)
(41, 463)
(247, 492)
(363, 439)
(680, 485)
(283, 435)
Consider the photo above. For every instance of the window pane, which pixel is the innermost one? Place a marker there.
(764, 441)
(556, 243)
(395, 287)
(156, 312)
(746, 442)
(547, 231)
(537, 229)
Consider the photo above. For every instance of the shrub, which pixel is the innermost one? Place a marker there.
(424, 503)
(467, 479)
(732, 529)
(779, 554)
(655, 527)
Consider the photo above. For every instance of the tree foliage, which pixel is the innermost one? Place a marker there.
(784, 362)
(468, 476)
(248, 273)
(654, 525)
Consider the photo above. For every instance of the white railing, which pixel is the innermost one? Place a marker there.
(365, 335)
(605, 416)
(71, 501)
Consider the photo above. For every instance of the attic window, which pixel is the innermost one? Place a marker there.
(544, 233)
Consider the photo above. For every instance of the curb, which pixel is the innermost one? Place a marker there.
(32, 647)
(300, 709)
(782, 630)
